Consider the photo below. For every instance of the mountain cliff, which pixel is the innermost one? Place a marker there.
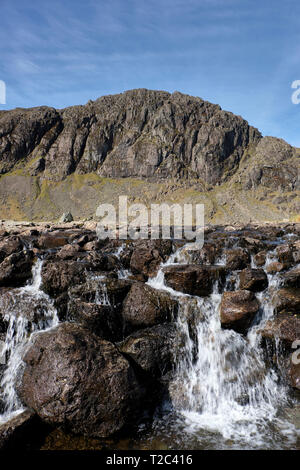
(151, 145)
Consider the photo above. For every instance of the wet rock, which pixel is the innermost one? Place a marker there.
(75, 379)
(147, 255)
(207, 255)
(292, 278)
(194, 279)
(275, 267)
(58, 276)
(102, 289)
(237, 258)
(238, 310)
(48, 241)
(69, 251)
(253, 245)
(15, 433)
(286, 253)
(253, 279)
(102, 320)
(287, 300)
(295, 373)
(10, 245)
(145, 306)
(15, 270)
(153, 349)
(260, 258)
(284, 327)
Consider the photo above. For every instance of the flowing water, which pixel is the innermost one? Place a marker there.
(28, 310)
(224, 395)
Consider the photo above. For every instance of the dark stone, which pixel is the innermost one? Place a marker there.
(194, 279)
(75, 379)
(145, 306)
(238, 310)
(253, 279)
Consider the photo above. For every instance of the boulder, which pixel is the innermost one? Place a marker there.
(147, 256)
(102, 320)
(284, 327)
(49, 241)
(69, 252)
(295, 374)
(253, 279)
(193, 279)
(75, 379)
(238, 310)
(237, 258)
(10, 245)
(58, 276)
(20, 431)
(153, 349)
(275, 267)
(292, 278)
(287, 300)
(145, 306)
(15, 270)
(260, 258)
(66, 218)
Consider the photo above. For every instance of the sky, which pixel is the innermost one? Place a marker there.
(241, 54)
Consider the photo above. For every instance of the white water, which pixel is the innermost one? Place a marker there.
(28, 309)
(227, 390)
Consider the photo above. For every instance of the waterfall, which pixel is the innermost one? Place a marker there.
(27, 310)
(226, 387)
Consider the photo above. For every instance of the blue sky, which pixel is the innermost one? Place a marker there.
(241, 54)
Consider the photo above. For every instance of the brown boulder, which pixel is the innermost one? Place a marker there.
(295, 374)
(193, 279)
(284, 327)
(260, 258)
(292, 278)
(58, 276)
(237, 258)
(287, 300)
(153, 349)
(75, 379)
(147, 255)
(275, 267)
(15, 270)
(145, 306)
(20, 431)
(102, 320)
(238, 309)
(51, 240)
(253, 279)
(10, 245)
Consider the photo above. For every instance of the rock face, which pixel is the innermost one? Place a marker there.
(78, 380)
(238, 310)
(140, 133)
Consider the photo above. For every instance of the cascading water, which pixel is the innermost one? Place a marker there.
(27, 310)
(225, 388)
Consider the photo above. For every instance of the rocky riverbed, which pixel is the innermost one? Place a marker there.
(139, 344)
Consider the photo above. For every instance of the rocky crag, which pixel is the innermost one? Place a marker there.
(151, 145)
